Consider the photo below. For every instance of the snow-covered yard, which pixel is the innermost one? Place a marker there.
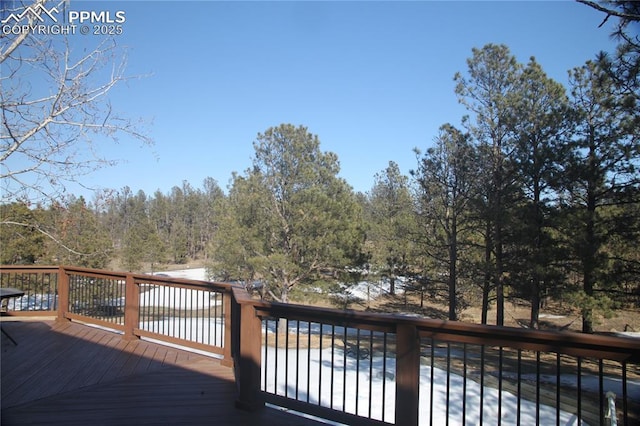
(328, 377)
(355, 390)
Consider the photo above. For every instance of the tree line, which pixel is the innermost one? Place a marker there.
(535, 195)
(127, 230)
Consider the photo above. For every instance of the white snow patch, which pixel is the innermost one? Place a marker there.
(551, 316)
(632, 334)
(179, 298)
(359, 386)
(189, 274)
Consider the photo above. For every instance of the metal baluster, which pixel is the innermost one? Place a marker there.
(344, 371)
(500, 360)
(371, 371)
(519, 386)
(308, 361)
(320, 365)
(481, 384)
(579, 389)
(537, 387)
(448, 382)
(601, 389)
(433, 343)
(558, 389)
(297, 358)
(333, 347)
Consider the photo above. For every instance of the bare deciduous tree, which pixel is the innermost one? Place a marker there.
(55, 108)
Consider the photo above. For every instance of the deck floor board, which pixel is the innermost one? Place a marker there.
(64, 373)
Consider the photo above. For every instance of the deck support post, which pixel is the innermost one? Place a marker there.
(131, 308)
(407, 374)
(63, 295)
(227, 354)
(249, 359)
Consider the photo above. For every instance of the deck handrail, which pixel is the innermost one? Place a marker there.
(245, 321)
(130, 314)
(410, 329)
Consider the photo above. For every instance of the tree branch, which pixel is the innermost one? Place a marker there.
(46, 234)
(44, 127)
(610, 12)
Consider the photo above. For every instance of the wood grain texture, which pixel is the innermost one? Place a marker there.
(64, 373)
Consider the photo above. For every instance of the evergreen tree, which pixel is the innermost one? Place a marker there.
(21, 242)
(141, 243)
(602, 174)
(447, 178)
(392, 223)
(178, 225)
(298, 222)
(489, 91)
(81, 238)
(540, 154)
(238, 239)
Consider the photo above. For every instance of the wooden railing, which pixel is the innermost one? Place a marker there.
(354, 367)
(189, 313)
(363, 368)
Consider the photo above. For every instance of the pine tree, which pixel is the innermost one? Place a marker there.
(296, 221)
(447, 178)
(391, 220)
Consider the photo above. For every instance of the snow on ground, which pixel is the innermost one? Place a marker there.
(310, 374)
(180, 298)
(551, 316)
(588, 383)
(634, 334)
(208, 331)
(368, 290)
(189, 274)
(33, 302)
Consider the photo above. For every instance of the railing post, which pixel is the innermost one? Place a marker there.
(131, 307)
(63, 295)
(249, 359)
(227, 354)
(407, 374)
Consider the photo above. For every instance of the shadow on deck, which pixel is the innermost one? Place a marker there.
(72, 374)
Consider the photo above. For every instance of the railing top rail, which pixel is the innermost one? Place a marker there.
(566, 342)
(617, 348)
(29, 268)
(572, 343)
(118, 275)
(181, 282)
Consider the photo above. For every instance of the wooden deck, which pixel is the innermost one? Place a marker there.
(73, 374)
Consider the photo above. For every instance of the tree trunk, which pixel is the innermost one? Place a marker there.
(453, 258)
(284, 295)
(538, 259)
(499, 286)
(535, 304)
(486, 286)
(588, 270)
(591, 244)
(485, 302)
(499, 273)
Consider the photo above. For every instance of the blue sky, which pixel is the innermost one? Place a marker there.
(372, 79)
